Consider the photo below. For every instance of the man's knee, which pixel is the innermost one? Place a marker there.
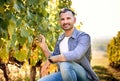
(65, 65)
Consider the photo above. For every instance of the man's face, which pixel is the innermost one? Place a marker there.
(67, 20)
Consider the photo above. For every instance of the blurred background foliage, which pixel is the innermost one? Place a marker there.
(21, 21)
(113, 51)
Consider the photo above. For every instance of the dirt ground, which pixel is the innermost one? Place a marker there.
(99, 58)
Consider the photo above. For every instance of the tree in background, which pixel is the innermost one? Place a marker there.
(20, 22)
(113, 51)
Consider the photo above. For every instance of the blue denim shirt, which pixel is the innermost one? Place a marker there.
(79, 46)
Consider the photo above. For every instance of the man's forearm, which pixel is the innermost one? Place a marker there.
(58, 58)
(46, 50)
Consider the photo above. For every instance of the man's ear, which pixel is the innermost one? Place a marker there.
(74, 19)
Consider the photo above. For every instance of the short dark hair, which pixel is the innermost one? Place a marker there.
(63, 10)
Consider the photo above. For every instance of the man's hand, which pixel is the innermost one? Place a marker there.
(40, 41)
(44, 68)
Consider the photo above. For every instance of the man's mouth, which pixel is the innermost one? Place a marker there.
(65, 25)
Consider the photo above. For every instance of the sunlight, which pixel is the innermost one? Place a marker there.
(100, 18)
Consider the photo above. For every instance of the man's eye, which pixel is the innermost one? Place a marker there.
(68, 18)
(61, 19)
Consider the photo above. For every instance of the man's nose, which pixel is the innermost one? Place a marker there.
(65, 21)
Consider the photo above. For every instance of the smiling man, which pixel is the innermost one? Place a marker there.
(72, 52)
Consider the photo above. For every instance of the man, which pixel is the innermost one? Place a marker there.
(72, 52)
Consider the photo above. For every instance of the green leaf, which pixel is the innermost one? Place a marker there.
(2, 3)
(31, 31)
(21, 55)
(1, 16)
(34, 57)
(30, 15)
(14, 39)
(33, 2)
(24, 32)
(30, 39)
(21, 40)
(11, 28)
(4, 55)
(18, 22)
(17, 8)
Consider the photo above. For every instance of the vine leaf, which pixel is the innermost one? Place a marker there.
(11, 28)
(24, 32)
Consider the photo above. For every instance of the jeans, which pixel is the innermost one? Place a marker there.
(69, 71)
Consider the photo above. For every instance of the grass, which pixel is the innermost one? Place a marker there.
(104, 74)
(101, 66)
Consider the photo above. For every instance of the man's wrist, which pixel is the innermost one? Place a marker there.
(50, 60)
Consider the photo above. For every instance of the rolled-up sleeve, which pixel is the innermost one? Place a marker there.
(83, 43)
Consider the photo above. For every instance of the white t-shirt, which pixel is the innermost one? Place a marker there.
(64, 45)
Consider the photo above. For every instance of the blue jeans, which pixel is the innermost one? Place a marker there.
(69, 71)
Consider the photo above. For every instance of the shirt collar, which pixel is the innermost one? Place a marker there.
(73, 34)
